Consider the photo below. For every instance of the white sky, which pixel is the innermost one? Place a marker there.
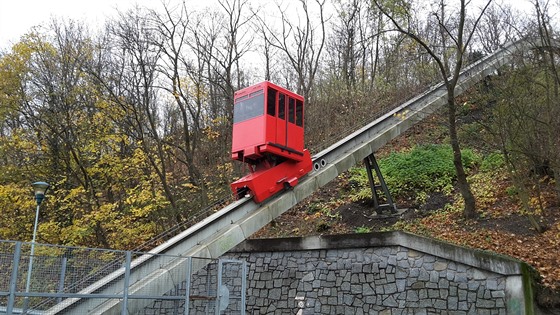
(18, 16)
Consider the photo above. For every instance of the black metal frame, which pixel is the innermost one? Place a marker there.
(371, 163)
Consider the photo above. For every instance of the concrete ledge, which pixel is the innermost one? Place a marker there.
(485, 260)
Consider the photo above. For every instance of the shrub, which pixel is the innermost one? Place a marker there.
(427, 168)
(362, 229)
(492, 162)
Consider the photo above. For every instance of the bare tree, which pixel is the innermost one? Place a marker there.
(454, 27)
(267, 50)
(354, 45)
(548, 56)
(497, 27)
(184, 84)
(301, 43)
(220, 39)
(232, 46)
(345, 40)
(131, 84)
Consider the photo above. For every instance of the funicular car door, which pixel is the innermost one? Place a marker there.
(295, 124)
(294, 113)
(289, 125)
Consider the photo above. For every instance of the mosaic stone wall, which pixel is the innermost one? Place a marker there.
(385, 280)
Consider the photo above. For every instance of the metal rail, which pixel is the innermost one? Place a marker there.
(218, 233)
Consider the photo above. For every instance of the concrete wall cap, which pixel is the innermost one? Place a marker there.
(482, 259)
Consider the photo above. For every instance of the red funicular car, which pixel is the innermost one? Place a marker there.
(268, 136)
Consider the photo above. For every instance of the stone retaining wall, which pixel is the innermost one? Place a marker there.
(379, 273)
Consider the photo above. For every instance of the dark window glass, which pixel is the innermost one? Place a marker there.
(282, 106)
(271, 102)
(291, 110)
(299, 113)
(248, 108)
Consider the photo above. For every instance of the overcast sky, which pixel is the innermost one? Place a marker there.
(18, 16)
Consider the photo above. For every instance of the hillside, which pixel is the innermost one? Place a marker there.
(501, 226)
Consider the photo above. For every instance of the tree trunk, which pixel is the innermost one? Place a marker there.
(469, 210)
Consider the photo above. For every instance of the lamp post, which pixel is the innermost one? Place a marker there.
(40, 189)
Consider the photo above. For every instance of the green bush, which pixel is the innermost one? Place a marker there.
(427, 168)
(492, 162)
(362, 229)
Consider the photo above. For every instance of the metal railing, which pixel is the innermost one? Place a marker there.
(61, 274)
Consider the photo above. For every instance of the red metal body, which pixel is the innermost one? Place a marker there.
(268, 135)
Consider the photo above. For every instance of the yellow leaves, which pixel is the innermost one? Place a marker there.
(74, 193)
(13, 70)
(111, 110)
(189, 186)
(77, 233)
(225, 168)
(104, 213)
(50, 231)
(22, 51)
(211, 134)
(535, 203)
(483, 186)
(185, 90)
(313, 217)
(401, 115)
(221, 120)
(15, 63)
(17, 211)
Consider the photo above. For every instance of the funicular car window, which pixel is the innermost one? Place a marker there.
(249, 108)
(291, 110)
(299, 113)
(271, 102)
(282, 106)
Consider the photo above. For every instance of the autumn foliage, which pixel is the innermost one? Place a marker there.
(132, 125)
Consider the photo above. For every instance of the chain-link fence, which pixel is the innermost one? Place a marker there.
(58, 279)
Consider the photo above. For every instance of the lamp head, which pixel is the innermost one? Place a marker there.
(40, 189)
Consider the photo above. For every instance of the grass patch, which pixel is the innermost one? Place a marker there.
(426, 168)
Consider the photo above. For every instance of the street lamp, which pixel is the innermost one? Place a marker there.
(40, 189)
